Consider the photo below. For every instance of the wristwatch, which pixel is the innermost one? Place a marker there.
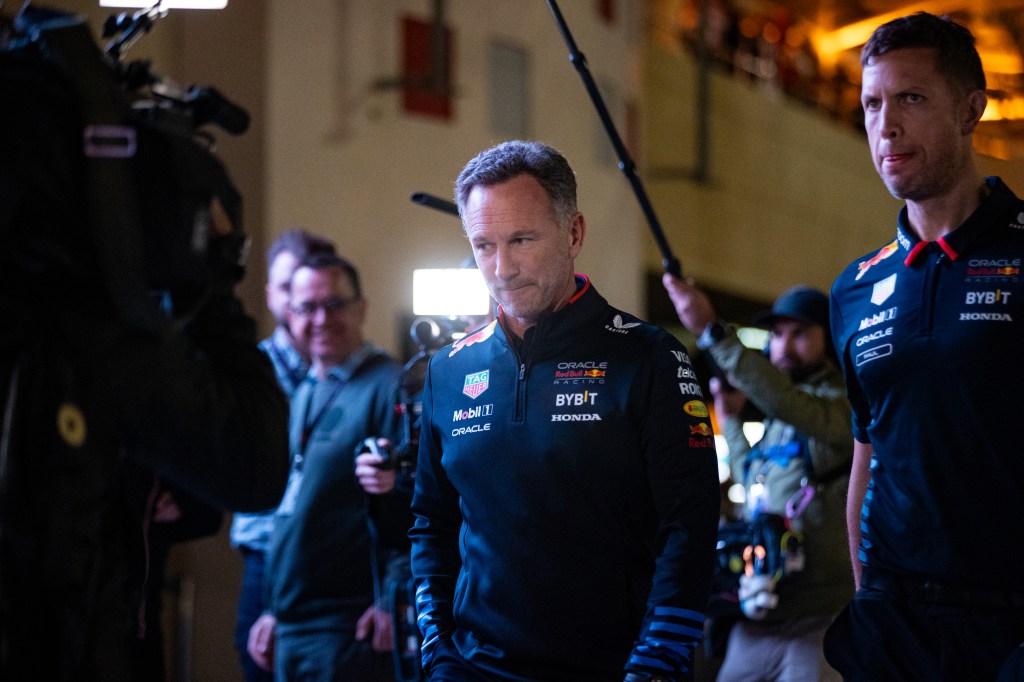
(712, 334)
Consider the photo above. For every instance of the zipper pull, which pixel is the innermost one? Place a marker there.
(522, 370)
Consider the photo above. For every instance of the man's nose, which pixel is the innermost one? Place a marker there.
(505, 263)
(888, 119)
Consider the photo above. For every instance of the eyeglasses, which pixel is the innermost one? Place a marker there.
(331, 306)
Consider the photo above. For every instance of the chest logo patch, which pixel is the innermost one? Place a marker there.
(883, 289)
(696, 408)
(476, 383)
(620, 327)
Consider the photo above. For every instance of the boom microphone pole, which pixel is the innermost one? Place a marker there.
(668, 260)
(435, 202)
(626, 165)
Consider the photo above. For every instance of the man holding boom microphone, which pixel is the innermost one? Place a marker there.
(794, 477)
(567, 491)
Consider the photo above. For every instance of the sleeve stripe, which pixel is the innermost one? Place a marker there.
(647, 661)
(676, 612)
(678, 629)
(681, 648)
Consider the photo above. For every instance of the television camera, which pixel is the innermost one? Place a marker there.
(122, 341)
(140, 199)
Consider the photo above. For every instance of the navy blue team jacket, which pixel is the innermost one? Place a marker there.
(566, 499)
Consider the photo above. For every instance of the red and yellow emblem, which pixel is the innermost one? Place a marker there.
(882, 254)
(475, 337)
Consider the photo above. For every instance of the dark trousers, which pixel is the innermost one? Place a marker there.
(328, 652)
(450, 666)
(896, 630)
(250, 607)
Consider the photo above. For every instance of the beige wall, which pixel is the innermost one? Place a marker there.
(792, 196)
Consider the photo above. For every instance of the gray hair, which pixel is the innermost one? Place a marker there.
(510, 159)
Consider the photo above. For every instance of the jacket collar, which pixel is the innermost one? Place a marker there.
(584, 306)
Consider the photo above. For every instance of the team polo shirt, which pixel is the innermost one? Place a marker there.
(931, 336)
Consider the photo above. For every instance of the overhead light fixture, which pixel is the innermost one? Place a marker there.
(167, 4)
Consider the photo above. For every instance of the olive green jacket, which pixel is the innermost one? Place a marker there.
(812, 418)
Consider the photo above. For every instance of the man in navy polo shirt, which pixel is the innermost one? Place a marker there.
(929, 330)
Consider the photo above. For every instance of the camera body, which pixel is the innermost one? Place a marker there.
(123, 346)
(110, 168)
(400, 458)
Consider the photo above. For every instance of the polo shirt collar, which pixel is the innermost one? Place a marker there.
(955, 243)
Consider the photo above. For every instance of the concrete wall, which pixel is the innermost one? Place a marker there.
(791, 197)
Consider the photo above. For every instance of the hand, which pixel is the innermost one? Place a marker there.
(261, 641)
(378, 622)
(166, 510)
(728, 403)
(692, 306)
(375, 481)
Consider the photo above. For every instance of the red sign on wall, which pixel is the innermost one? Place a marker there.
(426, 69)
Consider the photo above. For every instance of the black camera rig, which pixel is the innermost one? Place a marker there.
(144, 194)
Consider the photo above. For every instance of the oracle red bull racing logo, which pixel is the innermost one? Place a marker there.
(993, 270)
(589, 372)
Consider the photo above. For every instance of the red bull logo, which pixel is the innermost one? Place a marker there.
(475, 337)
(882, 254)
(593, 373)
(701, 429)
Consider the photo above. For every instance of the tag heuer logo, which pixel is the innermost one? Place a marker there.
(476, 383)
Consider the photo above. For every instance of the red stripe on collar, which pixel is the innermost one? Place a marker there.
(582, 289)
(914, 252)
(921, 246)
(947, 249)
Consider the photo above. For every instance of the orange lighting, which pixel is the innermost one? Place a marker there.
(998, 55)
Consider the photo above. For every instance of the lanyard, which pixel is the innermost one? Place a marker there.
(310, 424)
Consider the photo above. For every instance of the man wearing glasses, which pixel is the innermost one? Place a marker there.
(251, 532)
(324, 564)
